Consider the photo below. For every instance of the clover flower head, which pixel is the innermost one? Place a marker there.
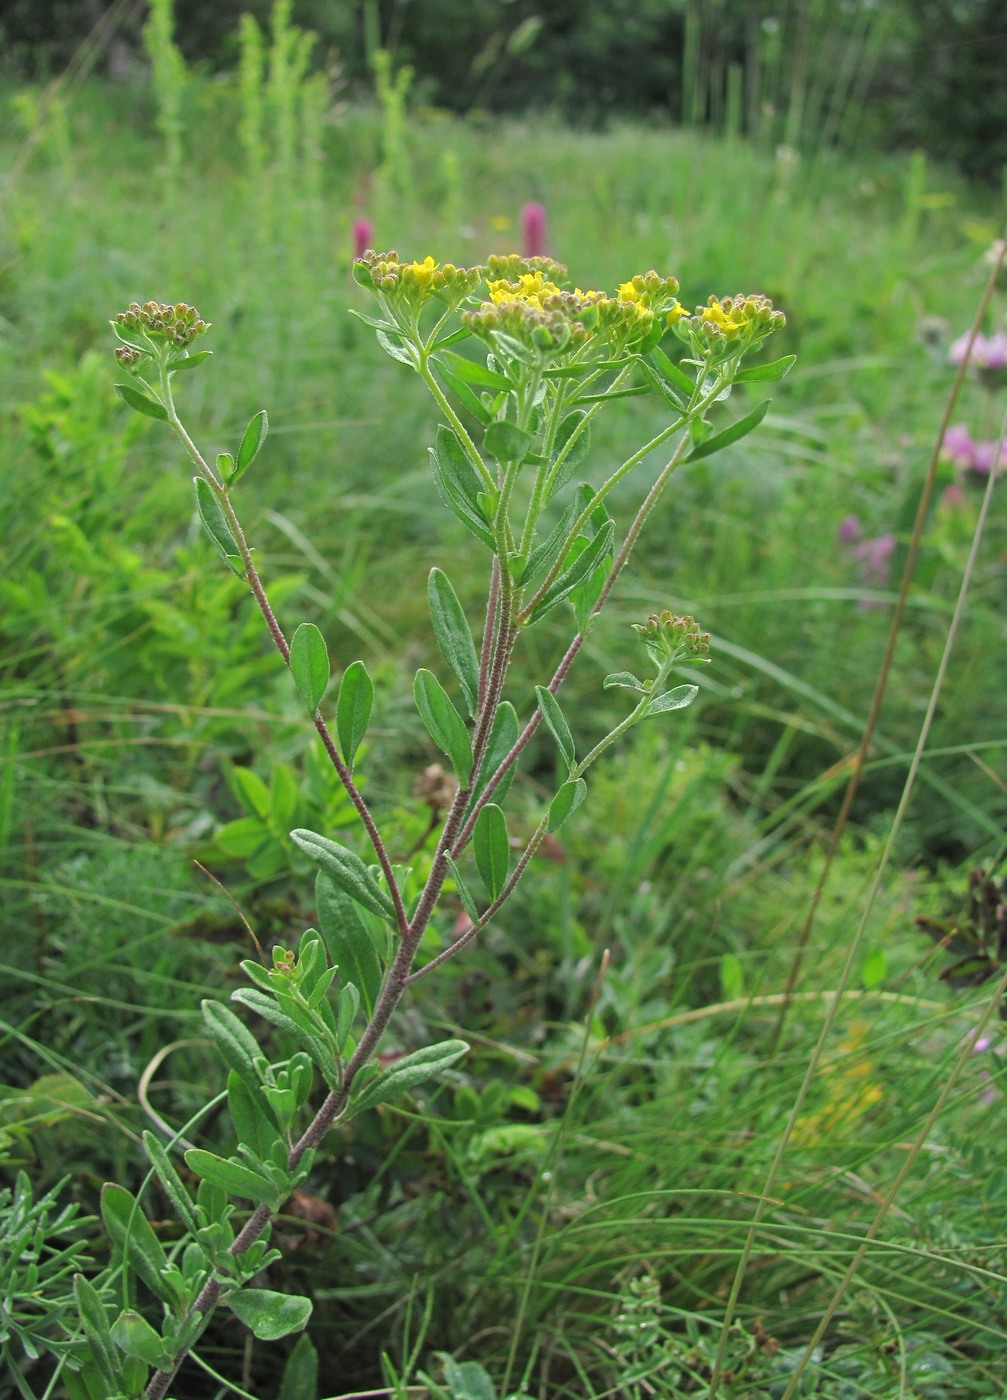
(987, 355)
(363, 234)
(671, 638)
(177, 326)
(969, 455)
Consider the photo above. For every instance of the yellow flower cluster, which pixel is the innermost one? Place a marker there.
(414, 283)
(747, 318)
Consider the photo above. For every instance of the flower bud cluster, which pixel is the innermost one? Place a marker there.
(413, 284)
(670, 638)
(533, 309)
(511, 267)
(729, 326)
(177, 325)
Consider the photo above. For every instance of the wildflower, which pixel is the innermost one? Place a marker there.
(850, 529)
(968, 455)
(177, 325)
(670, 638)
(363, 236)
(411, 285)
(874, 558)
(987, 356)
(533, 233)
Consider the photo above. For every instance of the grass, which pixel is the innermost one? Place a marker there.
(571, 1208)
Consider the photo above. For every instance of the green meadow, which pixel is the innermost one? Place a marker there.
(732, 1121)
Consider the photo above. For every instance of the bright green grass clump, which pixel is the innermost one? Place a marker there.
(571, 1211)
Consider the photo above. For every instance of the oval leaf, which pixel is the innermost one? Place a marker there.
(503, 737)
(566, 801)
(309, 664)
(626, 679)
(215, 524)
(270, 1315)
(143, 403)
(232, 1177)
(507, 442)
(556, 720)
(776, 369)
(409, 1072)
(348, 939)
(458, 484)
(454, 638)
(676, 699)
(353, 710)
(492, 848)
(345, 869)
(134, 1336)
(253, 438)
(443, 723)
(573, 442)
(236, 1043)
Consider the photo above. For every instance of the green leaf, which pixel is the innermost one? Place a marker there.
(397, 352)
(216, 526)
(458, 484)
(566, 802)
(732, 976)
(583, 564)
(573, 442)
(547, 551)
(232, 1177)
(142, 402)
(225, 467)
(96, 1327)
(454, 638)
(353, 710)
(134, 1336)
(294, 1020)
(503, 736)
(507, 442)
(465, 395)
(132, 1235)
(171, 1182)
(300, 1374)
(238, 1047)
(664, 389)
(622, 678)
(474, 373)
(250, 790)
(492, 848)
(464, 893)
(270, 1315)
(677, 378)
(252, 439)
(253, 1123)
(760, 374)
(348, 939)
(556, 720)
(676, 699)
(729, 435)
(309, 665)
(874, 969)
(243, 838)
(443, 723)
(346, 870)
(187, 361)
(349, 1004)
(467, 1380)
(409, 1072)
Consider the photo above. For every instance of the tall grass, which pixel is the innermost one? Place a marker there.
(577, 1210)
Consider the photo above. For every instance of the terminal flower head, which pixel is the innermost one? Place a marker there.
(671, 640)
(411, 284)
(159, 323)
(533, 233)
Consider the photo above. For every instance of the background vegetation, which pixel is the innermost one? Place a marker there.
(570, 1209)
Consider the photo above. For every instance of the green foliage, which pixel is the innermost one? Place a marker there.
(143, 714)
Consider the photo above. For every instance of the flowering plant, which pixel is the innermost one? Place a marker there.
(517, 419)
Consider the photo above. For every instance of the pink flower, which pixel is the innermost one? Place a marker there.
(988, 355)
(363, 236)
(873, 556)
(958, 446)
(534, 242)
(850, 529)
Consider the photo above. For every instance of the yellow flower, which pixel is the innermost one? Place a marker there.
(420, 273)
(628, 292)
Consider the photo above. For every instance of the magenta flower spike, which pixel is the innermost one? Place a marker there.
(363, 237)
(534, 243)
